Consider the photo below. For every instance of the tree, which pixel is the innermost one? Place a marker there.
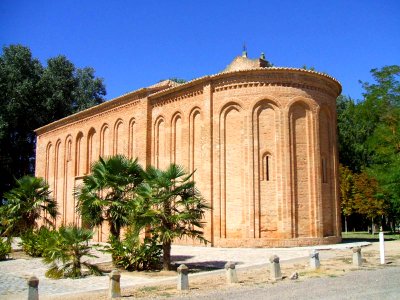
(31, 96)
(20, 112)
(369, 141)
(346, 192)
(386, 91)
(354, 128)
(65, 250)
(27, 203)
(107, 193)
(384, 142)
(69, 90)
(168, 206)
(58, 84)
(89, 90)
(367, 200)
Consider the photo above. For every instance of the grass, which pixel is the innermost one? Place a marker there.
(148, 289)
(348, 237)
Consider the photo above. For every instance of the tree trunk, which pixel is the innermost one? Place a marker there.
(114, 230)
(166, 255)
(76, 265)
(345, 224)
(373, 226)
(167, 244)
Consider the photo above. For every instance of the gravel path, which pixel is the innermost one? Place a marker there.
(14, 273)
(377, 284)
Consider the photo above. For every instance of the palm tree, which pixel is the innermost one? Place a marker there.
(25, 204)
(107, 193)
(169, 207)
(65, 250)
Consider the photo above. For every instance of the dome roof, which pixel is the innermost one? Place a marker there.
(245, 63)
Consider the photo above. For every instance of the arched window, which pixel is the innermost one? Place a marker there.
(79, 155)
(324, 171)
(118, 137)
(266, 168)
(91, 155)
(132, 140)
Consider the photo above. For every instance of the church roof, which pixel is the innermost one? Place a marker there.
(244, 63)
(164, 84)
(239, 65)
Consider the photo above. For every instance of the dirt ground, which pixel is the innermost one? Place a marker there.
(333, 263)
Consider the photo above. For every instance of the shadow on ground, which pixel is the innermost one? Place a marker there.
(372, 239)
(180, 257)
(205, 265)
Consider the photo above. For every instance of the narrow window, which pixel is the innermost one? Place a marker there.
(69, 151)
(267, 168)
(324, 177)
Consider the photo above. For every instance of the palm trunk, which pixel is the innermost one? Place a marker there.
(115, 230)
(76, 265)
(166, 255)
(167, 244)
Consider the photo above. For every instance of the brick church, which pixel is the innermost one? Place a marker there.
(262, 140)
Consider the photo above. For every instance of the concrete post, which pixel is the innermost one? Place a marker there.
(33, 288)
(314, 260)
(275, 268)
(231, 276)
(183, 278)
(357, 259)
(114, 290)
(382, 247)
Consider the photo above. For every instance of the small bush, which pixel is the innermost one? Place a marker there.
(35, 243)
(5, 248)
(65, 252)
(132, 255)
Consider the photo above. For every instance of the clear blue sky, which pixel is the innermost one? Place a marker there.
(133, 44)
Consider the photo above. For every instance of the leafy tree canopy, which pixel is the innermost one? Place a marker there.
(369, 141)
(32, 95)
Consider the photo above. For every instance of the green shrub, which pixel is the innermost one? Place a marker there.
(132, 255)
(2, 229)
(5, 248)
(35, 243)
(65, 251)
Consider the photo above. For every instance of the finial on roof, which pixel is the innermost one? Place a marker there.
(244, 53)
(262, 56)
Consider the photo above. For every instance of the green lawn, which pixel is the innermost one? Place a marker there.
(365, 236)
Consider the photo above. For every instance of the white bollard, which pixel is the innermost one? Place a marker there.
(114, 290)
(33, 288)
(183, 278)
(382, 247)
(275, 271)
(314, 260)
(357, 258)
(231, 276)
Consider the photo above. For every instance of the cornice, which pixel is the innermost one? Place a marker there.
(274, 76)
(176, 96)
(126, 100)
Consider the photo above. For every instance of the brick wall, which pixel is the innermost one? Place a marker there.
(262, 142)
